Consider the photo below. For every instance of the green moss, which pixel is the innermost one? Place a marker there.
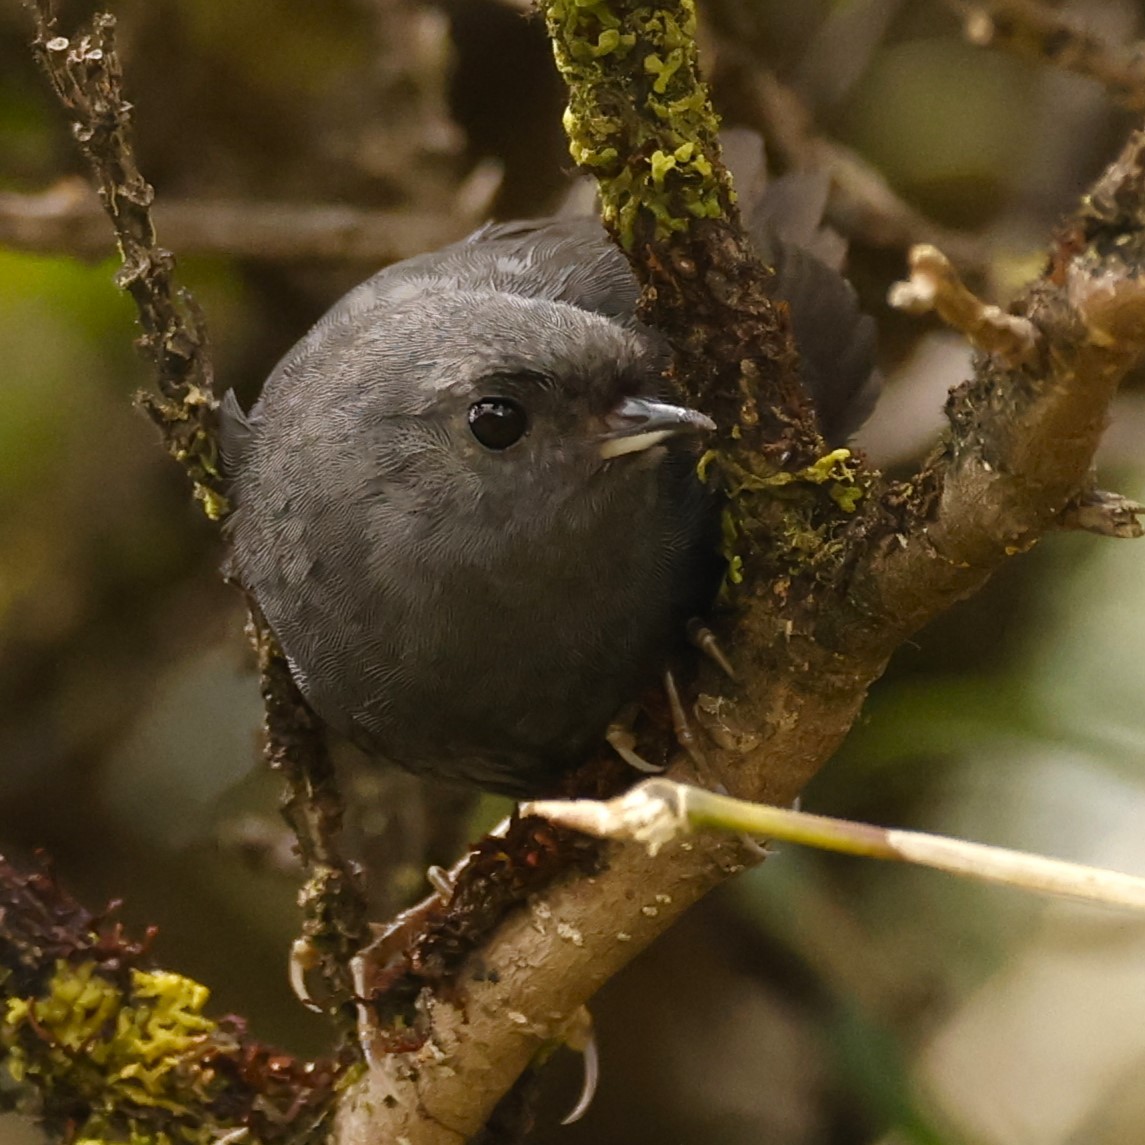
(704, 465)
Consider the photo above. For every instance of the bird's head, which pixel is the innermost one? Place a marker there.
(515, 414)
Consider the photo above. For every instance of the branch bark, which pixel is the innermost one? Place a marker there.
(86, 75)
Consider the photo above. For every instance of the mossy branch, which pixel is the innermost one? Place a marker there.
(837, 567)
(85, 73)
(639, 117)
(107, 1048)
(640, 121)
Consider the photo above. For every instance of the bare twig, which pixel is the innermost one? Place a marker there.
(86, 76)
(1039, 32)
(67, 219)
(660, 810)
(863, 204)
(1106, 514)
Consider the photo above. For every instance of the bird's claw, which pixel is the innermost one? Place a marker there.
(685, 737)
(705, 640)
(622, 740)
(303, 959)
(441, 880)
(582, 1037)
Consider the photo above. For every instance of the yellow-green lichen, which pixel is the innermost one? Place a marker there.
(639, 116)
(836, 472)
(132, 1138)
(215, 505)
(704, 465)
(120, 1049)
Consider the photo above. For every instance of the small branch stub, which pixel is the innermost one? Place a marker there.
(934, 285)
(1105, 514)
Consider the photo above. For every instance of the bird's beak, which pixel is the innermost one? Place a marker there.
(640, 423)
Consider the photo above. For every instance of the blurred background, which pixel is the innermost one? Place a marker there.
(297, 147)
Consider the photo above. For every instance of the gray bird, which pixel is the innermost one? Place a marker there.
(467, 509)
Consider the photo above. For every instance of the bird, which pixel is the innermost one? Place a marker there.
(467, 504)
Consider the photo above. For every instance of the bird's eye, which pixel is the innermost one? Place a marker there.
(497, 422)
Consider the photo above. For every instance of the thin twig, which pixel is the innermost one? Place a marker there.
(1039, 32)
(1104, 513)
(333, 901)
(660, 810)
(863, 203)
(67, 219)
(85, 73)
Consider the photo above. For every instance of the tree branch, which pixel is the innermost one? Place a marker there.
(826, 595)
(1037, 31)
(830, 567)
(87, 79)
(863, 203)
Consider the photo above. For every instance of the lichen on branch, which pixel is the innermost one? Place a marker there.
(105, 1047)
(652, 140)
(640, 121)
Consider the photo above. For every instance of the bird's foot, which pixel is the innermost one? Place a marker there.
(441, 880)
(304, 958)
(685, 736)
